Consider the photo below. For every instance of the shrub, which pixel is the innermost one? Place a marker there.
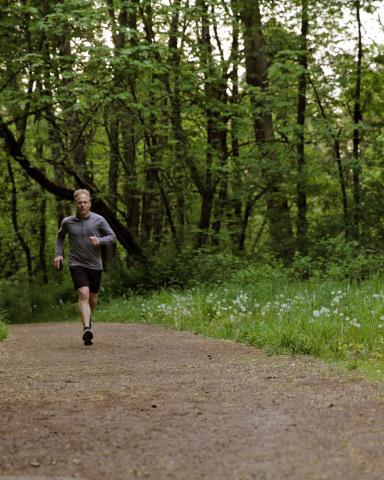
(21, 301)
(185, 270)
(337, 258)
(15, 301)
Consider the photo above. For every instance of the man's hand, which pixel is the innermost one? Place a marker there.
(58, 262)
(95, 241)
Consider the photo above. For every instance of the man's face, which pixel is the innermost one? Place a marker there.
(83, 205)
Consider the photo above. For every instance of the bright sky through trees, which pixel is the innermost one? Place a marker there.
(373, 25)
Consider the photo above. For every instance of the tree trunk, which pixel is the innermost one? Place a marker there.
(56, 142)
(215, 87)
(131, 192)
(357, 120)
(121, 23)
(278, 212)
(43, 236)
(42, 200)
(237, 231)
(301, 222)
(112, 127)
(343, 187)
(15, 222)
(340, 170)
(181, 149)
(205, 218)
(156, 138)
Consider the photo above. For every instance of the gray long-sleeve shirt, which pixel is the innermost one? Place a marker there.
(82, 253)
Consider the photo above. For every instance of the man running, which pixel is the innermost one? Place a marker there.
(86, 231)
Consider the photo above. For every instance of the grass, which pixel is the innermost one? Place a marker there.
(334, 321)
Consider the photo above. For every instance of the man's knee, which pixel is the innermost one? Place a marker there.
(93, 299)
(83, 294)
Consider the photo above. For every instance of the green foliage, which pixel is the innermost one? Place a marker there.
(184, 119)
(15, 301)
(332, 258)
(337, 258)
(22, 302)
(168, 270)
(3, 327)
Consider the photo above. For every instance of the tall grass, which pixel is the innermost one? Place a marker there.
(332, 320)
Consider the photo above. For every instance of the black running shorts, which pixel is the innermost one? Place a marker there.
(86, 277)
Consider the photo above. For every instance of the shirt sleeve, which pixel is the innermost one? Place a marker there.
(60, 237)
(107, 235)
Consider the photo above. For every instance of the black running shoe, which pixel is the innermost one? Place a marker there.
(87, 336)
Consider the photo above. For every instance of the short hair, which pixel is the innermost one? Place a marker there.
(81, 191)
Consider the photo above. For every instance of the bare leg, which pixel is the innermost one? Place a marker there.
(84, 306)
(92, 301)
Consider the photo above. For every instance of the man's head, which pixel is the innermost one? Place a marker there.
(82, 202)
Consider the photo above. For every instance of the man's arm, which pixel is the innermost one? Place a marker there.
(108, 235)
(58, 261)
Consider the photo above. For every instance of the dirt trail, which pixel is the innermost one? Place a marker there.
(146, 402)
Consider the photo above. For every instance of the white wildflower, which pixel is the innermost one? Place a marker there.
(355, 323)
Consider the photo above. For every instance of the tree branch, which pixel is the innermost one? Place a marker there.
(122, 233)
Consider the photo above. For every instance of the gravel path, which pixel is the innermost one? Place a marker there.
(149, 403)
